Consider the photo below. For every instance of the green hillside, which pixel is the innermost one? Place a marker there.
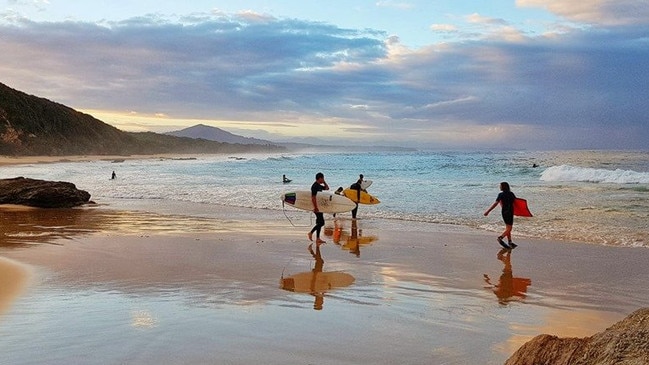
(30, 125)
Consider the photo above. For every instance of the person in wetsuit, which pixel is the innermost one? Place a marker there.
(319, 185)
(506, 200)
(358, 187)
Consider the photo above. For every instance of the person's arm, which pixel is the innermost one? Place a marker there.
(491, 208)
(326, 187)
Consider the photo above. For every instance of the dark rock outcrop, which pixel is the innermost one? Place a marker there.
(41, 193)
(625, 343)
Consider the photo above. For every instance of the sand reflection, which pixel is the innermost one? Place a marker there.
(508, 288)
(13, 278)
(25, 225)
(350, 240)
(317, 281)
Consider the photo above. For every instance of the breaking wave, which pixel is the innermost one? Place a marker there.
(586, 174)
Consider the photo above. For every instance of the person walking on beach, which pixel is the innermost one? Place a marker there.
(319, 185)
(113, 176)
(358, 187)
(506, 200)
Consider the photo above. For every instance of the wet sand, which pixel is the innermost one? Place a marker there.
(13, 280)
(125, 287)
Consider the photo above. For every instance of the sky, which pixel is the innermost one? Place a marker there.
(448, 74)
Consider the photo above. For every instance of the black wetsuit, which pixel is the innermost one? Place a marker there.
(319, 216)
(506, 199)
(356, 186)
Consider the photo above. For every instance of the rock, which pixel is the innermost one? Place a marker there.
(41, 193)
(625, 343)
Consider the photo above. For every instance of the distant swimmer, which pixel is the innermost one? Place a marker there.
(285, 179)
(535, 165)
(506, 200)
(113, 176)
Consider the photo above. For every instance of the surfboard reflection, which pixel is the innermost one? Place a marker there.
(351, 240)
(508, 288)
(317, 281)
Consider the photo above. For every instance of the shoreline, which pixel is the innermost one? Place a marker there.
(163, 272)
(30, 160)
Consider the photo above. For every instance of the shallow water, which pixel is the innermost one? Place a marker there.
(597, 197)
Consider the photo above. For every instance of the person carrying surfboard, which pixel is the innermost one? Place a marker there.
(319, 185)
(358, 187)
(506, 200)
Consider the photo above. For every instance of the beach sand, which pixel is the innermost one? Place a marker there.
(30, 160)
(136, 287)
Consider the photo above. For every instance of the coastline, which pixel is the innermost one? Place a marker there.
(30, 160)
(419, 293)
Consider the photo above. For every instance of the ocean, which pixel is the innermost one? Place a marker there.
(598, 197)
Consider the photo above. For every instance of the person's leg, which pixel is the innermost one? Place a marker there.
(354, 211)
(508, 232)
(319, 221)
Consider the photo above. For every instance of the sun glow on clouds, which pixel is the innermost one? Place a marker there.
(290, 126)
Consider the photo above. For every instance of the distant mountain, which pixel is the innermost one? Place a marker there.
(216, 134)
(30, 125)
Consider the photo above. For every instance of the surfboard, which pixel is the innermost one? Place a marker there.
(366, 198)
(353, 243)
(366, 184)
(311, 282)
(328, 202)
(521, 209)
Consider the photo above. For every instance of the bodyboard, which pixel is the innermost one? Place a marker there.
(521, 209)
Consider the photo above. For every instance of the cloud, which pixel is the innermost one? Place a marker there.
(394, 4)
(579, 88)
(446, 28)
(479, 19)
(596, 12)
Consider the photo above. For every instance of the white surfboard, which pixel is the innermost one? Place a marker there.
(366, 184)
(328, 202)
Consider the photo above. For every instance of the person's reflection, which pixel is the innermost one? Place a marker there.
(353, 241)
(316, 282)
(317, 269)
(508, 288)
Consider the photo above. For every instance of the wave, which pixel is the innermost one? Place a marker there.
(586, 174)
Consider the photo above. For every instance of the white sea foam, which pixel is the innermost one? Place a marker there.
(586, 174)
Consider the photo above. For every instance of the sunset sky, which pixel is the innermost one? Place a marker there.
(524, 74)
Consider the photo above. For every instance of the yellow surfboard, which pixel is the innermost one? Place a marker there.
(366, 198)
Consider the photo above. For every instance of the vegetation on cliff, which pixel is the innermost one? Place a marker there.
(30, 125)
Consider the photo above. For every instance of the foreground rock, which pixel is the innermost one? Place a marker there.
(41, 193)
(626, 343)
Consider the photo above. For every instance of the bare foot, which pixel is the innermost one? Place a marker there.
(319, 242)
(310, 235)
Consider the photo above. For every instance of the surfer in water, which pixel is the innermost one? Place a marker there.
(358, 187)
(506, 200)
(319, 185)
